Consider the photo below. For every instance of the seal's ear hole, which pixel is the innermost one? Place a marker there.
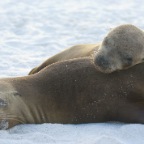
(143, 59)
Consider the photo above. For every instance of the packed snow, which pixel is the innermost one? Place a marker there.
(33, 30)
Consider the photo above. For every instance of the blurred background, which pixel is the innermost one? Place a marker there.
(33, 30)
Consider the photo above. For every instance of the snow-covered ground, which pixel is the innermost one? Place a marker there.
(33, 30)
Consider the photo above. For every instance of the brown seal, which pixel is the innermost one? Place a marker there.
(122, 48)
(83, 50)
(73, 92)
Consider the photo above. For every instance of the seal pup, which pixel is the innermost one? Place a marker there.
(83, 50)
(73, 92)
(122, 48)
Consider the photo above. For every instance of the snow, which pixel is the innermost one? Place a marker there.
(33, 30)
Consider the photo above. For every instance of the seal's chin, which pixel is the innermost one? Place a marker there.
(8, 121)
(105, 70)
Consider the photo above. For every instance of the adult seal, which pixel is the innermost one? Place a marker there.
(122, 47)
(73, 92)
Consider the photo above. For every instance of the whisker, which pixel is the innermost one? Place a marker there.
(11, 117)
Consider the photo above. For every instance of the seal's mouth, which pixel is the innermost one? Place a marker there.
(4, 124)
(9, 121)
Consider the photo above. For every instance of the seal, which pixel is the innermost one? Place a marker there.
(73, 92)
(84, 50)
(122, 48)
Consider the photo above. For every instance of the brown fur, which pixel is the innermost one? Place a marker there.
(74, 92)
(123, 47)
(85, 50)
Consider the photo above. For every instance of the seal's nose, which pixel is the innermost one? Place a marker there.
(101, 62)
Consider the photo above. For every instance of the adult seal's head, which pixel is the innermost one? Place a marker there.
(10, 102)
(122, 48)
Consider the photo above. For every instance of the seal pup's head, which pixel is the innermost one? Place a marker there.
(123, 47)
(9, 106)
